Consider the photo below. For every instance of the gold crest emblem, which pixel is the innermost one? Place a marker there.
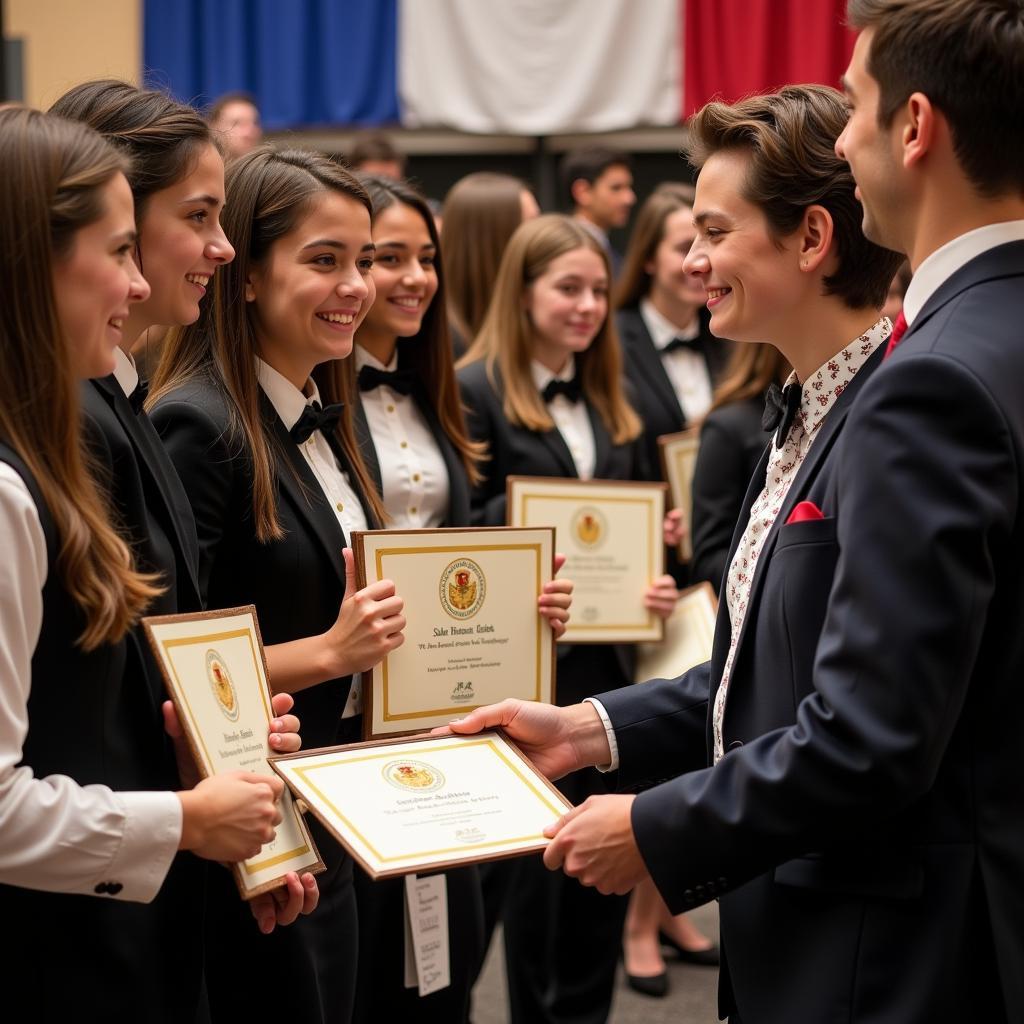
(463, 587)
(413, 775)
(221, 684)
(590, 527)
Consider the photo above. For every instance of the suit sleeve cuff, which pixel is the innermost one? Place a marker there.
(613, 765)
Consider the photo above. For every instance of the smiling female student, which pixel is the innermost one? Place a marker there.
(409, 421)
(88, 829)
(247, 401)
(542, 382)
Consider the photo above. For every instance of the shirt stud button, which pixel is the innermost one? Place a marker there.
(391, 408)
(340, 507)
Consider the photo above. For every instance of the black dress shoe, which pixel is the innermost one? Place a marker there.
(655, 985)
(700, 957)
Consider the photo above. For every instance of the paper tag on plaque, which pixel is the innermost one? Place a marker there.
(426, 915)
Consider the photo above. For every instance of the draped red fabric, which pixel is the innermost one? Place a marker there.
(733, 48)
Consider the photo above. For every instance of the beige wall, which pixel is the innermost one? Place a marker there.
(68, 41)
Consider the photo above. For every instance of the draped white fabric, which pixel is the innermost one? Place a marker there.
(539, 67)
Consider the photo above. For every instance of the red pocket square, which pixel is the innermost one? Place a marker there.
(804, 511)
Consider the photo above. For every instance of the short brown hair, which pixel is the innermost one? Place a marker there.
(373, 147)
(967, 57)
(588, 163)
(790, 136)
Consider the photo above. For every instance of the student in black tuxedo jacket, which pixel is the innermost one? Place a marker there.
(412, 434)
(277, 484)
(542, 387)
(90, 821)
(846, 750)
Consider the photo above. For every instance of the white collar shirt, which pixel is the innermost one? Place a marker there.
(125, 371)
(571, 418)
(413, 473)
(687, 370)
(949, 258)
(817, 397)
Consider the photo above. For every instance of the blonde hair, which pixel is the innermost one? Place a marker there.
(506, 339)
(54, 172)
(268, 193)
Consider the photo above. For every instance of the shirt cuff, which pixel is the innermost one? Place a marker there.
(613, 765)
(149, 843)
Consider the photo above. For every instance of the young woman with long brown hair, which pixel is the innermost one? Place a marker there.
(410, 422)
(542, 383)
(87, 835)
(248, 402)
(481, 212)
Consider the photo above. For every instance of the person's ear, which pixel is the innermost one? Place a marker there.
(815, 237)
(919, 129)
(581, 190)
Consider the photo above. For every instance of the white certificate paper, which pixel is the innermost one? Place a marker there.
(611, 534)
(214, 670)
(473, 633)
(689, 636)
(679, 460)
(415, 805)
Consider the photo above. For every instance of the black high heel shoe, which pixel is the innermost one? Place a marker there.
(700, 957)
(655, 985)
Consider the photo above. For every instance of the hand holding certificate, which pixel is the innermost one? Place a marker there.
(612, 533)
(213, 666)
(428, 802)
(689, 635)
(679, 460)
(473, 632)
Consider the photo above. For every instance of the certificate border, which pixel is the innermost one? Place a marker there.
(532, 778)
(379, 673)
(709, 593)
(577, 633)
(668, 449)
(198, 748)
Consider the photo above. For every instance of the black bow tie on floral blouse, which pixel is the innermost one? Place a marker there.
(780, 408)
(315, 418)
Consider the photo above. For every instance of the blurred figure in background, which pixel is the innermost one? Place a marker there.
(375, 153)
(481, 211)
(236, 118)
(732, 440)
(598, 186)
(894, 299)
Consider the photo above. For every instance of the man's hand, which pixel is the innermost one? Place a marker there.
(557, 740)
(594, 843)
(284, 905)
(674, 527)
(661, 596)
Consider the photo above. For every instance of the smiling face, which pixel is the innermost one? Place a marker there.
(608, 200)
(752, 280)
(97, 281)
(870, 150)
(181, 244)
(673, 291)
(405, 277)
(311, 292)
(567, 305)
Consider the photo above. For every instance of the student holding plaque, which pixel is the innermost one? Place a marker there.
(410, 424)
(543, 388)
(89, 828)
(277, 484)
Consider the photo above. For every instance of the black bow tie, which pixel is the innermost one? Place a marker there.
(693, 344)
(315, 418)
(402, 381)
(780, 406)
(138, 397)
(570, 388)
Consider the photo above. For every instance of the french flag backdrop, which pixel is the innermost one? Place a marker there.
(525, 67)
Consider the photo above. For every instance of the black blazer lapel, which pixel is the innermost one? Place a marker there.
(296, 480)
(365, 441)
(156, 466)
(647, 361)
(602, 443)
(552, 440)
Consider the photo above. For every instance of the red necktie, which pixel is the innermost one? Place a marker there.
(898, 330)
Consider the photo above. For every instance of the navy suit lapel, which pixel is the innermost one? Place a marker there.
(648, 361)
(155, 466)
(296, 480)
(808, 470)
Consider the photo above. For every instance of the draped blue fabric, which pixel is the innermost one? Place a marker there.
(307, 62)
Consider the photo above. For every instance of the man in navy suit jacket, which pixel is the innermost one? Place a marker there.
(867, 846)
